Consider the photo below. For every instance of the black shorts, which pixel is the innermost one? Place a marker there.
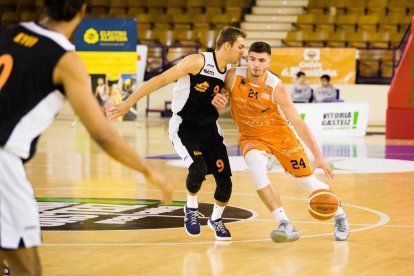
(200, 144)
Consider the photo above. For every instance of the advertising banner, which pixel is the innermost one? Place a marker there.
(335, 119)
(108, 47)
(338, 63)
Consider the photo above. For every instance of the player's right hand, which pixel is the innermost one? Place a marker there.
(159, 180)
(321, 163)
(219, 101)
(117, 110)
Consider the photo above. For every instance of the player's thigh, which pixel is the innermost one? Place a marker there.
(187, 146)
(217, 160)
(294, 160)
(247, 145)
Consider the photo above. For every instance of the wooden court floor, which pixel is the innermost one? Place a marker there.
(379, 203)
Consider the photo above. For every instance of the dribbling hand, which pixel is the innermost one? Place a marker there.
(321, 163)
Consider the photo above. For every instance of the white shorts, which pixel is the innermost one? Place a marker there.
(19, 212)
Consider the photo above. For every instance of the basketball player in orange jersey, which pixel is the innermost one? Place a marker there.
(42, 54)
(258, 102)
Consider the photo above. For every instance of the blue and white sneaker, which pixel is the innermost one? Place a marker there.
(191, 224)
(286, 232)
(220, 230)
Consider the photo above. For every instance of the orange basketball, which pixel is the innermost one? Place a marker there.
(323, 204)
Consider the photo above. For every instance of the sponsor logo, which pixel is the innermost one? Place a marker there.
(340, 120)
(25, 40)
(249, 145)
(91, 36)
(265, 110)
(85, 214)
(196, 152)
(311, 54)
(210, 65)
(265, 96)
(209, 72)
(113, 36)
(243, 81)
(202, 87)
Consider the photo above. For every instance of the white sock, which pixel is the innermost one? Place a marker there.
(340, 211)
(217, 212)
(192, 201)
(280, 214)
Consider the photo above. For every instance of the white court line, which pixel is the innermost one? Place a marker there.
(384, 218)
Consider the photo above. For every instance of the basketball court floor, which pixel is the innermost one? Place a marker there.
(100, 218)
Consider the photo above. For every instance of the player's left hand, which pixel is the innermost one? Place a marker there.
(114, 111)
(219, 101)
(321, 163)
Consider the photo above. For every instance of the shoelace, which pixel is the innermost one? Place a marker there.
(219, 226)
(283, 227)
(193, 216)
(341, 225)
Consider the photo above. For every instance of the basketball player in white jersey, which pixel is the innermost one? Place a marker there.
(39, 69)
(194, 131)
(257, 98)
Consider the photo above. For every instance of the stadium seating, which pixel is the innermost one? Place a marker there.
(332, 23)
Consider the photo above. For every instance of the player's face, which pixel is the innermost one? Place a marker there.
(258, 63)
(237, 51)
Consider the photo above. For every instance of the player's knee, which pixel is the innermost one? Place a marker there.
(311, 183)
(257, 162)
(223, 188)
(196, 175)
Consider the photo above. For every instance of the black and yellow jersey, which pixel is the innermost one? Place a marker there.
(193, 93)
(29, 100)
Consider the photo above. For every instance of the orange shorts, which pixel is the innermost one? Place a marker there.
(286, 148)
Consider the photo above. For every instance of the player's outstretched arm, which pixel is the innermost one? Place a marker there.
(282, 97)
(191, 64)
(71, 73)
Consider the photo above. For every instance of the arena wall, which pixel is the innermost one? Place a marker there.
(375, 95)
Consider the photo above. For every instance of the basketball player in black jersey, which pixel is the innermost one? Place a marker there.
(193, 129)
(38, 70)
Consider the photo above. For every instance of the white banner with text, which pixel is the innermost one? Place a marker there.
(335, 119)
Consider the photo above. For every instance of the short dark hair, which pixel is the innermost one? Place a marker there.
(326, 77)
(300, 74)
(260, 47)
(228, 34)
(63, 10)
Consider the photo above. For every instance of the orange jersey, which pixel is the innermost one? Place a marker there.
(252, 106)
(262, 126)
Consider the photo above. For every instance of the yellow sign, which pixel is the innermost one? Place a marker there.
(115, 63)
(338, 63)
